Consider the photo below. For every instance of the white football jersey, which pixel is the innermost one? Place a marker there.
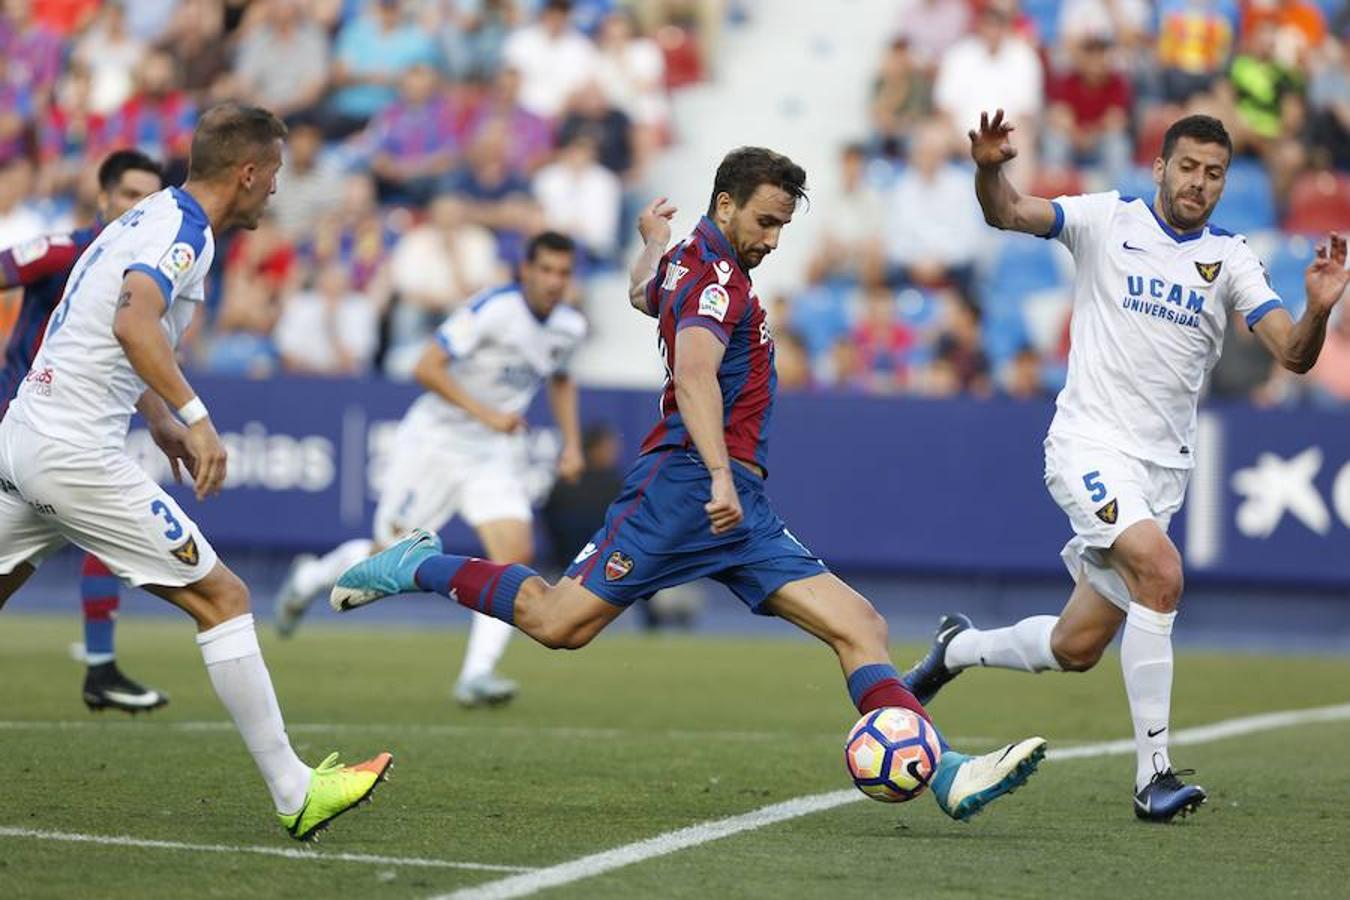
(501, 353)
(81, 388)
(1149, 310)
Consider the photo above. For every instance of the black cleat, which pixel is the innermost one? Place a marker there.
(927, 676)
(1165, 797)
(105, 687)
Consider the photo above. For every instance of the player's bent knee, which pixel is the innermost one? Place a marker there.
(1075, 655)
(1160, 583)
(564, 635)
(227, 597)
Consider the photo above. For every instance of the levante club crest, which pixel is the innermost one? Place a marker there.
(617, 566)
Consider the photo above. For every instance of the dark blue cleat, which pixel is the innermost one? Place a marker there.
(927, 676)
(1165, 797)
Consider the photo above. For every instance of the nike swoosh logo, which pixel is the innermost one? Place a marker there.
(1006, 752)
(1127, 246)
(1155, 733)
(946, 635)
(145, 699)
(1147, 807)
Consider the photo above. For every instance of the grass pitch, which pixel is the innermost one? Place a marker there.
(631, 738)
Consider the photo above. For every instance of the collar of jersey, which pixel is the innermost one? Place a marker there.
(716, 240)
(1178, 236)
(188, 203)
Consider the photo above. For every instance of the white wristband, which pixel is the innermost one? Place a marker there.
(192, 411)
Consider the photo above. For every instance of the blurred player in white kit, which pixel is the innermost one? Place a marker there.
(460, 449)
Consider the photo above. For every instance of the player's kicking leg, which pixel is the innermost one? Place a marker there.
(105, 686)
(307, 800)
(309, 576)
(564, 616)
(829, 609)
(1145, 583)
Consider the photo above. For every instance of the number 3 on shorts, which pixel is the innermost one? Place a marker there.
(1092, 481)
(161, 509)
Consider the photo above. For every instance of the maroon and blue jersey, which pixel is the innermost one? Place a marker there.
(700, 284)
(40, 267)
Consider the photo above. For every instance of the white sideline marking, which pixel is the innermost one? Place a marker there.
(117, 840)
(598, 863)
(441, 730)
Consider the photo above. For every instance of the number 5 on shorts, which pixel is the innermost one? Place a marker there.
(1092, 481)
(161, 509)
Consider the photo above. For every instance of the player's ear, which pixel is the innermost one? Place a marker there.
(1159, 165)
(723, 209)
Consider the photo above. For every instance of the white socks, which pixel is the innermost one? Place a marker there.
(1146, 661)
(487, 642)
(324, 572)
(1024, 646)
(235, 666)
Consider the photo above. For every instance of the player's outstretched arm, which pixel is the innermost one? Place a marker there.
(1003, 206)
(1296, 345)
(432, 372)
(562, 400)
(654, 226)
(137, 328)
(698, 354)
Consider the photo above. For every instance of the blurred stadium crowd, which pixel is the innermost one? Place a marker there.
(429, 138)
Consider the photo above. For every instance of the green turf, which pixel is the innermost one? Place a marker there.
(633, 737)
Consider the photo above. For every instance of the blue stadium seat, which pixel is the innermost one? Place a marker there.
(1024, 267)
(820, 315)
(1045, 13)
(1248, 202)
(1286, 271)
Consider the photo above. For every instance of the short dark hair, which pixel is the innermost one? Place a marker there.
(549, 240)
(1205, 129)
(120, 162)
(228, 135)
(744, 169)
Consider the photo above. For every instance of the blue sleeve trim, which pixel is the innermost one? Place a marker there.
(704, 322)
(1058, 225)
(444, 343)
(1260, 312)
(165, 287)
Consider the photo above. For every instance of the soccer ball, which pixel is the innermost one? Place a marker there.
(892, 754)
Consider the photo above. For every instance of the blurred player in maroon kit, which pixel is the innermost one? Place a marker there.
(40, 267)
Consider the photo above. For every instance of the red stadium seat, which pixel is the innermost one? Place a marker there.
(1152, 126)
(1056, 182)
(1318, 203)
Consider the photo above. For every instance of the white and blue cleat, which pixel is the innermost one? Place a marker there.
(963, 785)
(391, 571)
(1166, 796)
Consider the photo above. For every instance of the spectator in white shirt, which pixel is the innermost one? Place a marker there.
(553, 58)
(852, 219)
(581, 198)
(284, 34)
(330, 330)
(933, 218)
(993, 69)
(110, 52)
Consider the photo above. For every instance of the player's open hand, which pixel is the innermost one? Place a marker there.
(170, 436)
(724, 509)
(654, 221)
(990, 146)
(571, 463)
(504, 422)
(1326, 277)
(207, 454)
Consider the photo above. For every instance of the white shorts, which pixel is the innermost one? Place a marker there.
(1104, 491)
(100, 500)
(426, 484)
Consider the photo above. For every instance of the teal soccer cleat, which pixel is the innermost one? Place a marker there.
(964, 785)
(391, 571)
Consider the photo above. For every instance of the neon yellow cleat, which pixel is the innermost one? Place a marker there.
(333, 790)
